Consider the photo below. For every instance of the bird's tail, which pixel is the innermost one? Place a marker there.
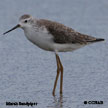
(96, 40)
(99, 39)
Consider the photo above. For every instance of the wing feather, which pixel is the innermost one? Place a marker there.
(63, 34)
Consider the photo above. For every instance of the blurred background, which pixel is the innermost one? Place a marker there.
(27, 73)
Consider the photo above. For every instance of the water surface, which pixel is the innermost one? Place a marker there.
(27, 73)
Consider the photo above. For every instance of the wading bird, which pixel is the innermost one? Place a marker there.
(53, 36)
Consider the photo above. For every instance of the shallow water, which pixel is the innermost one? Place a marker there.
(27, 73)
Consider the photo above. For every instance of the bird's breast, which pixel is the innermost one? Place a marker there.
(42, 40)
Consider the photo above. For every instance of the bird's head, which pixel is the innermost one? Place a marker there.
(25, 21)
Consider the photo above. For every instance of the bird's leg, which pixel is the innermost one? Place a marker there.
(61, 78)
(58, 72)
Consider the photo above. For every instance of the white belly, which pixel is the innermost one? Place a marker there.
(66, 47)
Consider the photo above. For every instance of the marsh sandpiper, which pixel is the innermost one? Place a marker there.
(53, 36)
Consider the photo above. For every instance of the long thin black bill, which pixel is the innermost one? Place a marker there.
(17, 26)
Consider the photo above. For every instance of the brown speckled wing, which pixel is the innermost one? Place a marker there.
(63, 34)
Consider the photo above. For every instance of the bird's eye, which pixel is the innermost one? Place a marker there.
(25, 21)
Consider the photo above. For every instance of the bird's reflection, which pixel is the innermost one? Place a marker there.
(57, 102)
